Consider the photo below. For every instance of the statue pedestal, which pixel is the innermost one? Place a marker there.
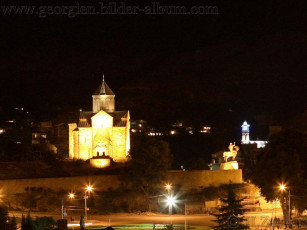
(100, 162)
(229, 165)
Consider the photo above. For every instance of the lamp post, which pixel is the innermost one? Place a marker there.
(168, 187)
(88, 189)
(185, 214)
(71, 196)
(62, 209)
(283, 188)
(171, 201)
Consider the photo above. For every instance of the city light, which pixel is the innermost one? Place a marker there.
(282, 187)
(89, 188)
(168, 187)
(71, 195)
(171, 201)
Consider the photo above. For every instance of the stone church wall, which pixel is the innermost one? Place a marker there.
(119, 143)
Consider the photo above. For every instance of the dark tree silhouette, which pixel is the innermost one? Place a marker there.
(230, 214)
(3, 216)
(146, 171)
(283, 161)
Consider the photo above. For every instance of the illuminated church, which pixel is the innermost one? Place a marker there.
(245, 137)
(102, 133)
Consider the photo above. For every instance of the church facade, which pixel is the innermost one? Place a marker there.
(102, 132)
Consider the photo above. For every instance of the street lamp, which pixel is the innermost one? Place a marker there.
(88, 189)
(283, 188)
(170, 201)
(168, 187)
(71, 195)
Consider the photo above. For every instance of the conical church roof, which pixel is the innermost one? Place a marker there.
(103, 89)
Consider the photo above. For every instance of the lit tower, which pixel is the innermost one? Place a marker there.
(103, 98)
(245, 133)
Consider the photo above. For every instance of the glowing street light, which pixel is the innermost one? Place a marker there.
(283, 188)
(89, 188)
(71, 195)
(168, 187)
(170, 201)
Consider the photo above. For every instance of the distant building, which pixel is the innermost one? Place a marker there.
(178, 124)
(139, 126)
(102, 132)
(41, 132)
(153, 133)
(206, 130)
(246, 138)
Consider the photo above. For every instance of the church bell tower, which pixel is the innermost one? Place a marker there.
(245, 133)
(103, 98)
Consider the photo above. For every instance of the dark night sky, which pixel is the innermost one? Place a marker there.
(250, 59)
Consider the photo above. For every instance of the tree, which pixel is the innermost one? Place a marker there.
(3, 216)
(40, 223)
(197, 163)
(27, 223)
(283, 161)
(230, 215)
(151, 159)
(14, 220)
(23, 222)
(82, 224)
(44, 223)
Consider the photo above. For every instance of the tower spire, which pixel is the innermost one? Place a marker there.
(103, 98)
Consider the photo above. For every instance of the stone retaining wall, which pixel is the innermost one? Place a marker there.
(185, 179)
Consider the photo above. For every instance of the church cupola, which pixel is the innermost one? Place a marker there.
(103, 98)
(245, 133)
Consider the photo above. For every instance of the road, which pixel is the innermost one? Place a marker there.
(254, 219)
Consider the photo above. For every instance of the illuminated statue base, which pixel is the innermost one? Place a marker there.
(229, 165)
(100, 162)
